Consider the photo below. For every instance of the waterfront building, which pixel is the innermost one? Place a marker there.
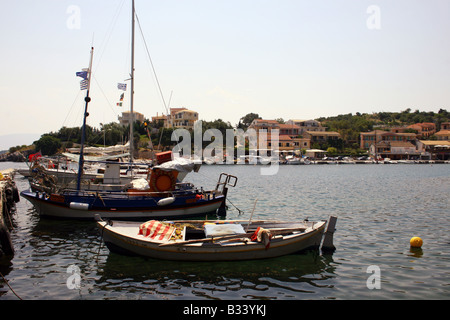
(434, 149)
(321, 136)
(445, 126)
(394, 150)
(178, 118)
(306, 125)
(424, 130)
(289, 139)
(443, 135)
(290, 130)
(376, 136)
(125, 118)
(261, 124)
(184, 118)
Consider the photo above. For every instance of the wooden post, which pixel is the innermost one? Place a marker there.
(327, 244)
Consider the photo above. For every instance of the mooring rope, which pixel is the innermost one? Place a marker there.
(6, 281)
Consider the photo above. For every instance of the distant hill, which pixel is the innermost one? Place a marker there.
(13, 140)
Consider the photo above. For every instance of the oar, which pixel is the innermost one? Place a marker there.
(251, 216)
(231, 237)
(207, 239)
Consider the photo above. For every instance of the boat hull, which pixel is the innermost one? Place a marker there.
(209, 251)
(131, 208)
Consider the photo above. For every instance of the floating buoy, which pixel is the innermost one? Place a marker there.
(166, 201)
(416, 242)
(79, 206)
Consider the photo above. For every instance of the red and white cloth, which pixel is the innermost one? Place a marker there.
(156, 230)
(262, 235)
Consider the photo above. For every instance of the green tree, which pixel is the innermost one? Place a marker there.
(247, 120)
(47, 144)
(332, 151)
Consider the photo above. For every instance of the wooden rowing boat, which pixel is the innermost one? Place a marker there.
(230, 240)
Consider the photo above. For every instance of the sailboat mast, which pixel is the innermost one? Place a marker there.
(132, 83)
(87, 99)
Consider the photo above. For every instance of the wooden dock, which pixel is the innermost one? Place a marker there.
(9, 196)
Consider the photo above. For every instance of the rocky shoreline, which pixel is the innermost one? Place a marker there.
(18, 156)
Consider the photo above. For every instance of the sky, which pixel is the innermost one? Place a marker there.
(290, 59)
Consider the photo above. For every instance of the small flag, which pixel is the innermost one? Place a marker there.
(34, 156)
(122, 86)
(119, 104)
(121, 97)
(82, 74)
(84, 84)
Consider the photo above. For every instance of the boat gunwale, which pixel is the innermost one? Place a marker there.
(143, 242)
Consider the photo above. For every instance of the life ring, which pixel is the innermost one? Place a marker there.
(161, 180)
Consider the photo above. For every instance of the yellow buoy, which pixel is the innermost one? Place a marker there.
(416, 242)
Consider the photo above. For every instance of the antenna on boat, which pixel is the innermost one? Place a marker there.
(87, 99)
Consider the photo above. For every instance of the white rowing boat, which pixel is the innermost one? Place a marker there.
(206, 240)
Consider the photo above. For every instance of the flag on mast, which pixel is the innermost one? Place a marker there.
(82, 74)
(85, 82)
(121, 99)
(122, 86)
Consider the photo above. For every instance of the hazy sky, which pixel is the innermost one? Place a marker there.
(288, 59)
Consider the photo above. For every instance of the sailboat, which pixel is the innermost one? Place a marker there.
(161, 198)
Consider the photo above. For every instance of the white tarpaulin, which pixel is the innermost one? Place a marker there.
(116, 148)
(178, 164)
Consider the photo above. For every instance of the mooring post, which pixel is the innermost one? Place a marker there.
(327, 243)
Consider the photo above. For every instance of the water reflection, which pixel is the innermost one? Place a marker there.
(416, 252)
(244, 279)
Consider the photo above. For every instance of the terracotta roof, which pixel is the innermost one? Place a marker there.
(323, 133)
(281, 137)
(435, 142)
(289, 126)
(269, 121)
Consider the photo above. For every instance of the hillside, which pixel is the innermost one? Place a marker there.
(350, 126)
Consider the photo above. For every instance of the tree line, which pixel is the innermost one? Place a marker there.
(349, 127)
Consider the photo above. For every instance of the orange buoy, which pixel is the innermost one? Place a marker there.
(416, 242)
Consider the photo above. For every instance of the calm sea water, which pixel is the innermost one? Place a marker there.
(379, 208)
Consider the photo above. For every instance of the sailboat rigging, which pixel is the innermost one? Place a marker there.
(132, 83)
(87, 99)
(163, 197)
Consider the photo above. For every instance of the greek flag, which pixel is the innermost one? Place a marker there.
(84, 84)
(122, 86)
(82, 74)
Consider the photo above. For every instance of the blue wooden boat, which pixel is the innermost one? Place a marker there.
(186, 201)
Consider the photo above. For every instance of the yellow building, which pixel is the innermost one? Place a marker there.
(125, 119)
(178, 118)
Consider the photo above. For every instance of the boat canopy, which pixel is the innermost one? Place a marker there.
(178, 164)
